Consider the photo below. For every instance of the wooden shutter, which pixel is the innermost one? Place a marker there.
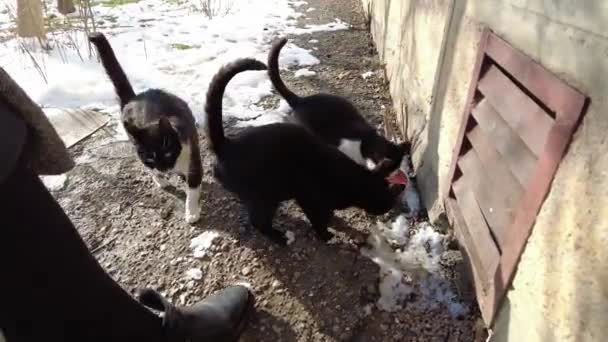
(518, 121)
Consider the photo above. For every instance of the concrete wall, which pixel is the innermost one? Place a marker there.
(560, 292)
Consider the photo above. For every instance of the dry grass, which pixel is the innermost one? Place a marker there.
(64, 34)
(215, 8)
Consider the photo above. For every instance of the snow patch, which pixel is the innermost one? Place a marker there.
(54, 183)
(313, 41)
(293, 55)
(367, 74)
(409, 264)
(178, 49)
(195, 273)
(337, 25)
(201, 244)
(311, 9)
(284, 107)
(299, 3)
(304, 72)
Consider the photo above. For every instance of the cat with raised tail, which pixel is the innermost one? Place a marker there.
(266, 165)
(161, 126)
(335, 120)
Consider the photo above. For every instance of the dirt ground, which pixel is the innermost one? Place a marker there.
(308, 291)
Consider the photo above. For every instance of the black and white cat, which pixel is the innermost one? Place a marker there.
(266, 165)
(335, 120)
(161, 126)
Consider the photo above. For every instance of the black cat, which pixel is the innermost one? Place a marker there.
(160, 125)
(335, 120)
(266, 165)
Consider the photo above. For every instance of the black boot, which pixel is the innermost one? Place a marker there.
(221, 317)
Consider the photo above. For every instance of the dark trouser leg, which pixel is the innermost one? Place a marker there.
(51, 287)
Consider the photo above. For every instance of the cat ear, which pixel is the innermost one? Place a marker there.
(165, 125)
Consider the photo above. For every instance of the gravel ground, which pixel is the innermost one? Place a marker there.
(308, 291)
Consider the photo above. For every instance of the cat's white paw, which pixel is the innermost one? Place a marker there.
(193, 209)
(192, 216)
(160, 181)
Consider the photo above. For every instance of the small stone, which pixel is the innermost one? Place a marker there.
(275, 284)
(246, 270)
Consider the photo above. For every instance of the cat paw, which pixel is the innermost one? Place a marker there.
(192, 216)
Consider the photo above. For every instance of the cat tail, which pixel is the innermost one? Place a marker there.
(274, 74)
(113, 69)
(215, 95)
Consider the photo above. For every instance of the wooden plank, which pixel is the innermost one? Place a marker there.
(477, 227)
(513, 150)
(497, 208)
(485, 294)
(524, 116)
(537, 189)
(463, 235)
(494, 165)
(553, 92)
(467, 111)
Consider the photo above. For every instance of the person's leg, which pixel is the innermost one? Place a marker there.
(51, 288)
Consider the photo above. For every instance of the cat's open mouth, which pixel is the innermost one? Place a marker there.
(397, 177)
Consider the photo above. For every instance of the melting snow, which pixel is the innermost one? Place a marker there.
(337, 25)
(54, 183)
(304, 72)
(195, 273)
(409, 264)
(166, 45)
(201, 244)
(367, 74)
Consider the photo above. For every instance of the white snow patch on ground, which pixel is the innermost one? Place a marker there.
(296, 56)
(310, 9)
(284, 107)
(299, 3)
(335, 26)
(304, 72)
(313, 41)
(54, 183)
(201, 244)
(178, 49)
(195, 273)
(367, 75)
(409, 263)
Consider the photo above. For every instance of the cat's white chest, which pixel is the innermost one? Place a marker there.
(182, 164)
(352, 148)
